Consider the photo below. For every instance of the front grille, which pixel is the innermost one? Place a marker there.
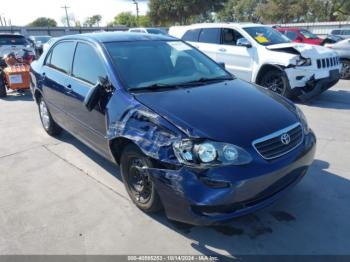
(277, 144)
(328, 62)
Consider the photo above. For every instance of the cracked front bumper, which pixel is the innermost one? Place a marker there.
(204, 197)
(307, 84)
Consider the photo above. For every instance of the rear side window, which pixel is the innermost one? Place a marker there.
(336, 32)
(210, 35)
(291, 35)
(61, 57)
(87, 65)
(191, 35)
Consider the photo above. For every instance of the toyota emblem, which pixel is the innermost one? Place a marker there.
(285, 139)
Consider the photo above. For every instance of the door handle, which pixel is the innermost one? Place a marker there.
(222, 50)
(69, 88)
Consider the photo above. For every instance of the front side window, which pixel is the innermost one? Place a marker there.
(210, 35)
(230, 36)
(143, 64)
(87, 65)
(266, 35)
(61, 57)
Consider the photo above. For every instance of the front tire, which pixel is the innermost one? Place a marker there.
(277, 81)
(345, 70)
(137, 181)
(47, 121)
(3, 92)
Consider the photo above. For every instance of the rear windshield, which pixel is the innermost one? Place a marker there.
(12, 40)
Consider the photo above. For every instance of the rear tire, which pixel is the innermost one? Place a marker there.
(137, 182)
(47, 121)
(345, 70)
(3, 92)
(277, 81)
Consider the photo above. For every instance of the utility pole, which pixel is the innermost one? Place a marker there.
(137, 11)
(65, 7)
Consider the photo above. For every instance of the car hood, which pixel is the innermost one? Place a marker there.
(233, 111)
(305, 50)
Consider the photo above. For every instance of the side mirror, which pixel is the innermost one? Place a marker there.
(222, 65)
(244, 42)
(93, 96)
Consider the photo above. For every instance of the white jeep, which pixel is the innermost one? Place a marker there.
(262, 55)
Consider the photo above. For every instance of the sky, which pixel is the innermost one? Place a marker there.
(22, 12)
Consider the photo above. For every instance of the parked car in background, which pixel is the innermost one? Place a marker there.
(331, 39)
(13, 43)
(38, 42)
(345, 33)
(264, 56)
(343, 50)
(155, 31)
(299, 35)
(189, 137)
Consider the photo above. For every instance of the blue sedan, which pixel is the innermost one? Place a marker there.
(189, 137)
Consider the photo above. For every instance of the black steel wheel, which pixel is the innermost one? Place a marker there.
(137, 181)
(345, 69)
(276, 81)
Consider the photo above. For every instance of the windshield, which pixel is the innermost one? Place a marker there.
(146, 64)
(12, 40)
(308, 34)
(266, 35)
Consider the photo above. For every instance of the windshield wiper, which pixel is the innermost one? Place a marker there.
(205, 80)
(153, 87)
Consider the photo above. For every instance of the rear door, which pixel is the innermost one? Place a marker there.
(55, 77)
(209, 42)
(238, 59)
(88, 66)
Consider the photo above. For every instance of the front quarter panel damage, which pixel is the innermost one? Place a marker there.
(150, 132)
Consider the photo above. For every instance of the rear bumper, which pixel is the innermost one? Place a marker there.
(219, 194)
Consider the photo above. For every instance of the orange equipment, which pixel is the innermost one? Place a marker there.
(17, 76)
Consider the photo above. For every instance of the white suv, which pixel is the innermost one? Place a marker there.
(13, 43)
(262, 55)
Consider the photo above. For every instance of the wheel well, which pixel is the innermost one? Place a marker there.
(117, 146)
(264, 69)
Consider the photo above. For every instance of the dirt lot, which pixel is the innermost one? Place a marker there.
(58, 197)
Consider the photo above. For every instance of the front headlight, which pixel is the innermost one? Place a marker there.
(209, 153)
(301, 61)
(303, 120)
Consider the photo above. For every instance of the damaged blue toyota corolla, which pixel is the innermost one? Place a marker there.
(188, 136)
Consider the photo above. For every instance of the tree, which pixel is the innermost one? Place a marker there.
(43, 22)
(93, 20)
(240, 11)
(125, 18)
(144, 21)
(165, 12)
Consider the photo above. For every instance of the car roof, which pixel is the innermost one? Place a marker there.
(237, 25)
(105, 37)
(9, 35)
